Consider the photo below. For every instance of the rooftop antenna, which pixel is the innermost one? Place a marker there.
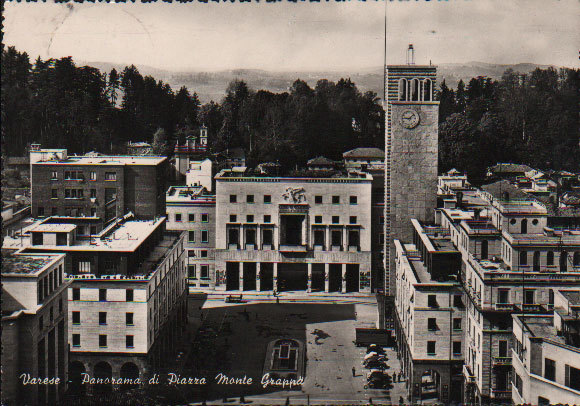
(410, 55)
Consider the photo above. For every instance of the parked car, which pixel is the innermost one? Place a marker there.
(375, 364)
(375, 348)
(377, 383)
(380, 358)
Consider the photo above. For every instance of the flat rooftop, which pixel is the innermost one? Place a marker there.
(303, 175)
(573, 296)
(53, 228)
(26, 264)
(189, 194)
(542, 327)
(114, 160)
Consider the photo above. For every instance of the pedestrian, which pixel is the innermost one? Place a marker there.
(277, 300)
(353, 372)
(401, 400)
(242, 399)
(287, 401)
(370, 401)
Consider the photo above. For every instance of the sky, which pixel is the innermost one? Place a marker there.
(302, 36)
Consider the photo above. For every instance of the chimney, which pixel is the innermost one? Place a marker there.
(410, 55)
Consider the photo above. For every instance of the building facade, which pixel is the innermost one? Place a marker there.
(193, 210)
(127, 301)
(411, 153)
(102, 187)
(34, 328)
(430, 315)
(299, 233)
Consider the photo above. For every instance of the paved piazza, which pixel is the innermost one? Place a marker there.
(234, 339)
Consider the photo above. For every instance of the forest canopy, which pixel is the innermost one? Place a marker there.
(531, 119)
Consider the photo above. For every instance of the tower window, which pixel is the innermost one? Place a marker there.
(403, 90)
(427, 90)
(415, 90)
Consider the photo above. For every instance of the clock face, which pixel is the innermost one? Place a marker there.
(409, 119)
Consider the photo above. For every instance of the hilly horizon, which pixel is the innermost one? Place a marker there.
(212, 85)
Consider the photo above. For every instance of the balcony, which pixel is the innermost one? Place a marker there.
(468, 375)
(292, 248)
(501, 394)
(501, 361)
(504, 307)
(533, 308)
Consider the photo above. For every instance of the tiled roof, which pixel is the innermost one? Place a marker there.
(498, 190)
(510, 168)
(364, 153)
(321, 160)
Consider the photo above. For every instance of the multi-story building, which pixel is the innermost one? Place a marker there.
(34, 328)
(192, 210)
(101, 187)
(411, 151)
(293, 233)
(193, 149)
(546, 354)
(127, 300)
(365, 159)
(200, 173)
(512, 262)
(430, 314)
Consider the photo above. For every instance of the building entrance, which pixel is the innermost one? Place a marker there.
(232, 276)
(317, 277)
(292, 277)
(249, 276)
(335, 278)
(352, 278)
(266, 276)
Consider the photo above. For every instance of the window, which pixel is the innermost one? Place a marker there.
(430, 347)
(102, 340)
(352, 220)
(204, 236)
(205, 218)
(54, 175)
(551, 298)
(110, 176)
(432, 324)
(267, 218)
(549, 369)
(249, 198)
(93, 176)
(267, 199)
(529, 296)
(484, 249)
(233, 198)
(102, 318)
(550, 258)
(129, 319)
(178, 217)
(267, 237)
(250, 236)
(403, 90)
(457, 324)
(336, 238)
(191, 236)
(563, 261)
(415, 90)
(250, 218)
(76, 317)
(319, 237)
(335, 199)
(129, 295)
(54, 193)
(318, 219)
(129, 341)
(524, 226)
(317, 199)
(572, 377)
(353, 238)
(432, 301)
(523, 258)
(503, 348)
(503, 296)
(40, 211)
(191, 272)
(191, 217)
(93, 193)
(456, 347)
(233, 218)
(353, 200)
(335, 219)
(427, 90)
(102, 295)
(203, 253)
(76, 294)
(576, 259)
(458, 301)
(76, 340)
(205, 272)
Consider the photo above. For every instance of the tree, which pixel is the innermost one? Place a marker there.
(160, 143)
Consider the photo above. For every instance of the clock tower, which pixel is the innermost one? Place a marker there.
(411, 153)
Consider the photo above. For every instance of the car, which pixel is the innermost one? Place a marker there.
(375, 348)
(378, 380)
(374, 355)
(373, 360)
(375, 372)
(375, 364)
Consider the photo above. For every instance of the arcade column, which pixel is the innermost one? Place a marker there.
(326, 277)
(309, 289)
(258, 275)
(241, 266)
(343, 278)
(275, 276)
